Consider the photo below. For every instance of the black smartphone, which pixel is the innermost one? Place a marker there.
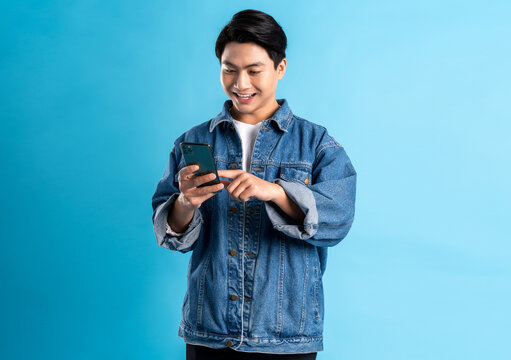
(202, 155)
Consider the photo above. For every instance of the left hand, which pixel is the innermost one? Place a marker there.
(245, 186)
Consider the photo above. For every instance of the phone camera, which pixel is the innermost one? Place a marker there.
(187, 149)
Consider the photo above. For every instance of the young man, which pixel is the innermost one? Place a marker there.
(260, 243)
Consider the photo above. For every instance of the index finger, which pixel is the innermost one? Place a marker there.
(189, 170)
(229, 174)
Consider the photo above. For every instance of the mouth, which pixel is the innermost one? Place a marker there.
(244, 98)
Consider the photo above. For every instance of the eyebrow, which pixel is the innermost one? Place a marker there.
(225, 62)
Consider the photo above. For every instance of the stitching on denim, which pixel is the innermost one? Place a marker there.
(292, 179)
(335, 226)
(281, 285)
(304, 290)
(201, 290)
(326, 146)
(316, 285)
(294, 339)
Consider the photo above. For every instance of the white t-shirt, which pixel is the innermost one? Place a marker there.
(248, 134)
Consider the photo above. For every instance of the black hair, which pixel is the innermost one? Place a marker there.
(257, 27)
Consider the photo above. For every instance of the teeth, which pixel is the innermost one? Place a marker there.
(244, 96)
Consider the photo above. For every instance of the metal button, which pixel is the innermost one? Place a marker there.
(234, 209)
(228, 343)
(247, 298)
(233, 252)
(307, 180)
(234, 297)
(234, 167)
(250, 254)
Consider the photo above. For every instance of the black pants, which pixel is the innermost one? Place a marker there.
(195, 352)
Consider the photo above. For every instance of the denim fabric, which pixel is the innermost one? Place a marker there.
(267, 294)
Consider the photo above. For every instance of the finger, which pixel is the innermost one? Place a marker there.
(202, 179)
(240, 190)
(195, 181)
(230, 174)
(186, 173)
(202, 191)
(237, 182)
(246, 194)
(200, 199)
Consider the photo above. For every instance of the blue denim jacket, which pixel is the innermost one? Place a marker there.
(255, 275)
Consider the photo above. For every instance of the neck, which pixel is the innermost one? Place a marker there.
(255, 117)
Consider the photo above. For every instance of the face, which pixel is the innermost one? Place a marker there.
(249, 79)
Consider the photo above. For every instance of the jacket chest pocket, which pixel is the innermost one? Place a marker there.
(300, 175)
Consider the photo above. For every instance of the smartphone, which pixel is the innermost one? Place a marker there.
(202, 155)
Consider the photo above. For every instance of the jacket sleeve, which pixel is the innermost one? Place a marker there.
(328, 202)
(163, 199)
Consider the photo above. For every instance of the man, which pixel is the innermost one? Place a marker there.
(259, 239)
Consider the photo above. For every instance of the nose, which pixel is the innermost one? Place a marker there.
(242, 81)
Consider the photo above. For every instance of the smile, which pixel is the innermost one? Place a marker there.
(244, 96)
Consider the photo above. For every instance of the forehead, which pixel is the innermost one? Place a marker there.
(243, 54)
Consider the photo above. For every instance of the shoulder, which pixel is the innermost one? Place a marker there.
(197, 133)
(313, 133)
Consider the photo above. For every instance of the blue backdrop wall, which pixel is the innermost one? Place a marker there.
(93, 94)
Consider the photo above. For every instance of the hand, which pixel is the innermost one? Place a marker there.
(191, 195)
(245, 186)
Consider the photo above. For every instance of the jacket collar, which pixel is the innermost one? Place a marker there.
(282, 117)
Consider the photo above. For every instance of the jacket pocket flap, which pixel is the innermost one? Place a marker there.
(296, 174)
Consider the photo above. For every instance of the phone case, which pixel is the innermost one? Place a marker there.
(202, 155)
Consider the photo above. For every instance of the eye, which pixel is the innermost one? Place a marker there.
(228, 71)
(254, 72)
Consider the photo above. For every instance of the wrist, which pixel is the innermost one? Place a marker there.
(278, 194)
(183, 204)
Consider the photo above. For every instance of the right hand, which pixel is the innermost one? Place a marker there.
(191, 195)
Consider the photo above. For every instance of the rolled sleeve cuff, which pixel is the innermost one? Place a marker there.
(303, 197)
(169, 239)
(171, 232)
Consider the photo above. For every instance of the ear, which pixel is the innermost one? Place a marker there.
(281, 69)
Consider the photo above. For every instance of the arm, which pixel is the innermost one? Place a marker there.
(166, 193)
(245, 186)
(176, 206)
(288, 206)
(328, 202)
(179, 216)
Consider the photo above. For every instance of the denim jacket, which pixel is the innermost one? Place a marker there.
(254, 278)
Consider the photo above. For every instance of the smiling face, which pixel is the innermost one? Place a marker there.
(249, 78)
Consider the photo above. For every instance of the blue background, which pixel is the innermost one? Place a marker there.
(93, 94)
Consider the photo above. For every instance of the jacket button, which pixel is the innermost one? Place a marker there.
(234, 209)
(228, 343)
(234, 167)
(233, 252)
(234, 297)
